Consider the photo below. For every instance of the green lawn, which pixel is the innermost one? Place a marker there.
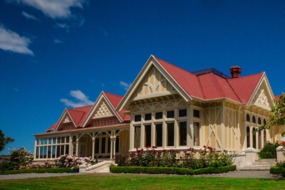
(128, 181)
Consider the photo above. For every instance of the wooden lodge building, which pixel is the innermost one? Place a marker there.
(170, 108)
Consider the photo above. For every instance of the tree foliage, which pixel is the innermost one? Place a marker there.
(4, 140)
(277, 116)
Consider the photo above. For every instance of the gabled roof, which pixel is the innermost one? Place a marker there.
(79, 114)
(244, 86)
(205, 86)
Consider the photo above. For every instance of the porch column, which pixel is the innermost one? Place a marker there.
(77, 144)
(35, 148)
(111, 144)
(251, 137)
(175, 128)
(114, 149)
(132, 136)
(70, 146)
(262, 139)
(93, 147)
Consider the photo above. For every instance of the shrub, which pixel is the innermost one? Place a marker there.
(170, 170)
(40, 170)
(19, 158)
(268, 151)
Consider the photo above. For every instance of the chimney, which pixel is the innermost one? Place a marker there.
(235, 71)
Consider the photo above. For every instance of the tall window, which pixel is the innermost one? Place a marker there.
(137, 118)
(170, 134)
(103, 145)
(247, 117)
(147, 117)
(183, 133)
(182, 112)
(196, 113)
(253, 119)
(170, 114)
(147, 135)
(137, 136)
(254, 139)
(158, 138)
(196, 138)
(97, 145)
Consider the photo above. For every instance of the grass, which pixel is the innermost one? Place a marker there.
(129, 181)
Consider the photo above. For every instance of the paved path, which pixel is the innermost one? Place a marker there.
(235, 174)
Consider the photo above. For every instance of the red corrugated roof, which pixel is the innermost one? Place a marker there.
(113, 98)
(210, 86)
(187, 80)
(52, 127)
(79, 114)
(245, 86)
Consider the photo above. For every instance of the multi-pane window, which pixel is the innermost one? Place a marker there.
(137, 118)
(182, 112)
(147, 135)
(137, 136)
(52, 147)
(196, 139)
(196, 113)
(170, 114)
(170, 134)
(158, 115)
(183, 133)
(147, 117)
(158, 138)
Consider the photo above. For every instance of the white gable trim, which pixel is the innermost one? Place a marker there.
(271, 97)
(151, 62)
(61, 119)
(101, 97)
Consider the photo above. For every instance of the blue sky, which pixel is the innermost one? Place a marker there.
(57, 54)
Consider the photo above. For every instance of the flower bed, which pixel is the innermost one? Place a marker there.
(171, 170)
(151, 157)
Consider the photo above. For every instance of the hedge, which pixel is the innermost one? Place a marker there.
(41, 170)
(277, 170)
(171, 170)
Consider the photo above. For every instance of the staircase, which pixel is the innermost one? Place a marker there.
(259, 165)
(101, 167)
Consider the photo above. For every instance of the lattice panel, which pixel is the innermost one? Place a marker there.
(103, 111)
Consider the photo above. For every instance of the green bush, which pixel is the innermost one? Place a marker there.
(171, 170)
(41, 170)
(268, 151)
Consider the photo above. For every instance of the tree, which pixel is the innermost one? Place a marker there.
(4, 140)
(277, 116)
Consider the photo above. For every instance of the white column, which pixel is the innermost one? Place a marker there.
(35, 148)
(70, 146)
(77, 144)
(153, 130)
(114, 149)
(176, 142)
(132, 136)
(142, 136)
(190, 128)
(93, 147)
(223, 128)
(111, 144)
(251, 137)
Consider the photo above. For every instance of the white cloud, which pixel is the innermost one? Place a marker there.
(11, 41)
(57, 41)
(54, 8)
(29, 16)
(63, 26)
(125, 85)
(82, 99)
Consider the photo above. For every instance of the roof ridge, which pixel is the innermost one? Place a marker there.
(200, 85)
(233, 90)
(218, 86)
